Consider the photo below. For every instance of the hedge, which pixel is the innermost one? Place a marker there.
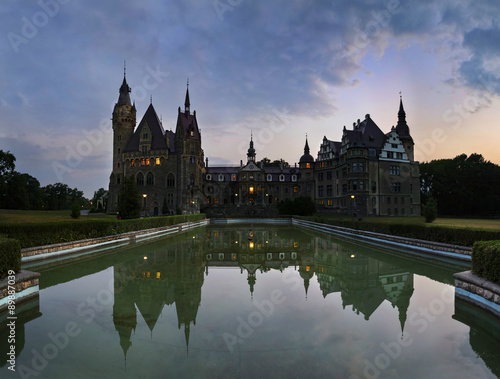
(486, 260)
(10, 256)
(40, 234)
(455, 236)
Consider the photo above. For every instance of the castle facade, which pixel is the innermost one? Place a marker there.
(368, 172)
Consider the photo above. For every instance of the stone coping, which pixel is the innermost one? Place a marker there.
(21, 276)
(70, 247)
(430, 247)
(467, 280)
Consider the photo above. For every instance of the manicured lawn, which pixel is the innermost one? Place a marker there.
(448, 222)
(17, 216)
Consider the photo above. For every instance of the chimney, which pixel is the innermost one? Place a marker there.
(206, 162)
(241, 163)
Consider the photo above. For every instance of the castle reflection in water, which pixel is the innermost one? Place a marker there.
(174, 274)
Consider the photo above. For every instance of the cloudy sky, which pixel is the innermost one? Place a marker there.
(280, 69)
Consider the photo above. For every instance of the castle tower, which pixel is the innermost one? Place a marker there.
(190, 159)
(306, 166)
(123, 123)
(251, 151)
(403, 131)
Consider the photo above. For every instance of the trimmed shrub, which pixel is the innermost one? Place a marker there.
(10, 256)
(34, 234)
(486, 260)
(75, 211)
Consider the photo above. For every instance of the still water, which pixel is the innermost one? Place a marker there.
(252, 302)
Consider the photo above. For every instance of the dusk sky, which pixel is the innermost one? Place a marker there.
(279, 69)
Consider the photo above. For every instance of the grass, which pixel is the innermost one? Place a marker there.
(486, 224)
(18, 216)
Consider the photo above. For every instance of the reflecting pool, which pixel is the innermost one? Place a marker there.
(252, 301)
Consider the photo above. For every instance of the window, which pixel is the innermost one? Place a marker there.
(329, 190)
(143, 161)
(147, 161)
(119, 137)
(171, 180)
(191, 159)
(282, 178)
(191, 180)
(144, 149)
(388, 200)
(170, 198)
(269, 177)
(157, 161)
(394, 145)
(221, 177)
(374, 186)
(329, 175)
(354, 167)
(233, 177)
(209, 176)
(118, 180)
(390, 154)
(192, 133)
(119, 150)
(320, 191)
(295, 189)
(395, 187)
(320, 176)
(394, 170)
(132, 163)
(145, 136)
(329, 202)
(361, 167)
(361, 185)
(150, 179)
(308, 165)
(140, 179)
(355, 185)
(294, 178)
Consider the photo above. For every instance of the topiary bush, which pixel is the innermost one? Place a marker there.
(486, 260)
(10, 256)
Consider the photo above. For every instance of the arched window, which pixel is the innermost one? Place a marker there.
(140, 179)
(170, 180)
(191, 180)
(150, 179)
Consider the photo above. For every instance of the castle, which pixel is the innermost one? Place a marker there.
(366, 173)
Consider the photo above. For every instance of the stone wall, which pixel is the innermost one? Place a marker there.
(478, 291)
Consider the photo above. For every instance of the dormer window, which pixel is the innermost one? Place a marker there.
(221, 177)
(282, 178)
(209, 177)
(269, 177)
(294, 178)
(192, 133)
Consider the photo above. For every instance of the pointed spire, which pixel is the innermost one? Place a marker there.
(306, 147)
(124, 98)
(186, 102)
(251, 150)
(401, 113)
(402, 127)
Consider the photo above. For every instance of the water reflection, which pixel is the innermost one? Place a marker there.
(174, 274)
(337, 285)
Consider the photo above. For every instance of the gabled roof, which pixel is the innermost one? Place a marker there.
(157, 132)
(366, 134)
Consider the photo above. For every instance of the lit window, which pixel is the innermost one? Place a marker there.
(192, 133)
(295, 189)
(142, 161)
(157, 161)
(308, 165)
(216, 200)
(147, 161)
(132, 163)
(250, 190)
(233, 178)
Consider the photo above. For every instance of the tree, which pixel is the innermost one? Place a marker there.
(266, 162)
(6, 162)
(302, 206)
(164, 208)
(430, 210)
(98, 199)
(462, 186)
(129, 205)
(75, 211)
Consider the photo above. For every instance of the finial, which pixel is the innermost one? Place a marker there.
(151, 99)
(400, 96)
(124, 68)
(188, 82)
